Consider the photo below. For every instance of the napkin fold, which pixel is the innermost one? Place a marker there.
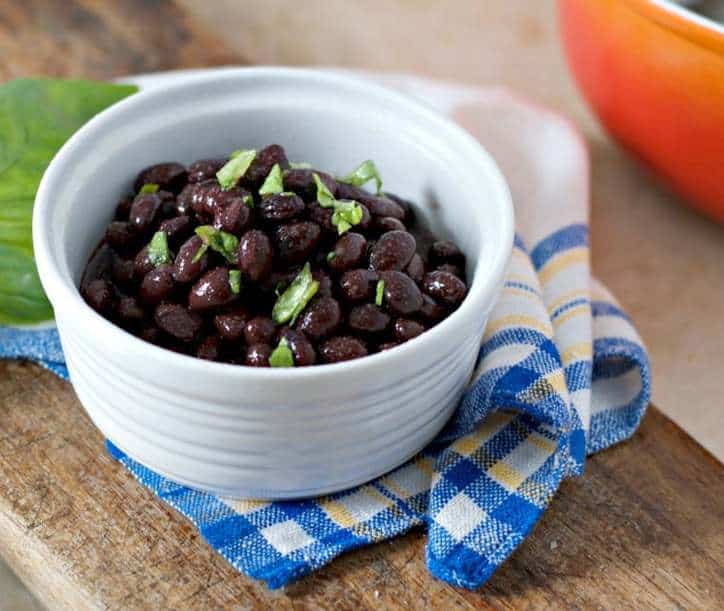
(562, 373)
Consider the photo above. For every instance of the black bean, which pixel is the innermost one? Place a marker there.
(168, 176)
(296, 242)
(264, 161)
(257, 355)
(348, 252)
(322, 216)
(177, 321)
(431, 310)
(301, 182)
(387, 346)
(210, 348)
(405, 329)
(406, 206)
(235, 217)
(377, 205)
(129, 310)
(443, 251)
(280, 207)
(401, 295)
(320, 318)
(119, 235)
(99, 296)
(145, 212)
(151, 334)
(207, 198)
(142, 264)
(366, 220)
(388, 223)
(450, 268)
(368, 318)
(416, 268)
(177, 229)
(123, 209)
(444, 287)
(185, 269)
(157, 285)
(123, 272)
(255, 256)
(342, 348)
(302, 349)
(393, 250)
(259, 330)
(230, 324)
(212, 290)
(358, 284)
(204, 169)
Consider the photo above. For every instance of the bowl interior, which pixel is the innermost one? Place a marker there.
(330, 121)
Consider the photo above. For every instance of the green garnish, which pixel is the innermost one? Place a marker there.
(273, 182)
(302, 165)
(346, 211)
(239, 162)
(282, 355)
(331, 256)
(248, 200)
(379, 292)
(149, 187)
(361, 175)
(224, 243)
(297, 295)
(235, 281)
(36, 117)
(158, 252)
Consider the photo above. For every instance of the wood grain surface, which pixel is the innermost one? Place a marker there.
(642, 529)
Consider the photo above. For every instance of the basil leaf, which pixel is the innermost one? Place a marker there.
(324, 195)
(379, 292)
(346, 213)
(294, 299)
(149, 187)
(230, 174)
(37, 116)
(235, 281)
(282, 355)
(273, 182)
(226, 244)
(361, 175)
(158, 252)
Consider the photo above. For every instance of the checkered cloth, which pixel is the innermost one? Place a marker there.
(562, 373)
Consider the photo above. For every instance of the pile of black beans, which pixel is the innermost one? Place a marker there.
(315, 269)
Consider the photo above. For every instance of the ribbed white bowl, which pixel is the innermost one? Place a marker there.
(265, 433)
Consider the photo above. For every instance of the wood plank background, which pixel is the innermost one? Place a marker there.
(642, 529)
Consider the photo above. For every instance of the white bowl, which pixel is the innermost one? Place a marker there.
(270, 433)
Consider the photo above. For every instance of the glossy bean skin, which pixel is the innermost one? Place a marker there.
(280, 207)
(123, 272)
(129, 310)
(204, 169)
(322, 217)
(230, 324)
(123, 209)
(406, 206)
(206, 199)
(406, 329)
(342, 348)
(142, 264)
(401, 295)
(295, 243)
(302, 349)
(450, 268)
(431, 310)
(235, 217)
(259, 330)
(264, 161)
(169, 176)
(377, 205)
(145, 212)
(257, 355)
(301, 182)
(255, 256)
(212, 290)
(388, 223)
(98, 294)
(185, 269)
(368, 319)
(393, 251)
(320, 318)
(177, 321)
(325, 283)
(119, 235)
(358, 285)
(348, 251)
(444, 288)
(388, 346)
(177, 229)
(157, 285)
(209, 349)
(444, 251)
(416, 268)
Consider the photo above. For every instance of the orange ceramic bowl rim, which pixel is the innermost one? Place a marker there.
(690, 25)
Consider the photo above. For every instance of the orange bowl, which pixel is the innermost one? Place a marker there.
(654, 73)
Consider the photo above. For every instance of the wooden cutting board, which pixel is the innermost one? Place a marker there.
(644, 528)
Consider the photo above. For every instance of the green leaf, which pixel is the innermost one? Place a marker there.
(235, 281)
(37, 116)
(361, 175)
(346, 213)
(274, 182)
(294, 299)
(230, 174)
(226, 244)
(324, 195)
(282, 355)
(331, 256)
(379, 292)
(158, 252)
(248, 200)
(149, 187)
(200, 253)
(302, 165)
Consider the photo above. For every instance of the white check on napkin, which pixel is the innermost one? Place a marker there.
(562, 374)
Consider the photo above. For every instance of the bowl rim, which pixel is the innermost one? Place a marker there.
(62, 290)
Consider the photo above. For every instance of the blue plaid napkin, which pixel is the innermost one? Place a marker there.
(562, 373)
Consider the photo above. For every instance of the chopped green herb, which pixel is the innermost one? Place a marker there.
(361, 175)
(248, 200)
(297, 295)
(324, 195)
(224, 243)
(346, 214)
(331, 255)
(303, 165)
(379, 292)
(149, 187)
(158, 252)
(239, 162)
(282, 355)
(235, 281)
(273, 182)
(200, 253)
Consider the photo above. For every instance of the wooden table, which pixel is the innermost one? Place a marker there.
(643, 528)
